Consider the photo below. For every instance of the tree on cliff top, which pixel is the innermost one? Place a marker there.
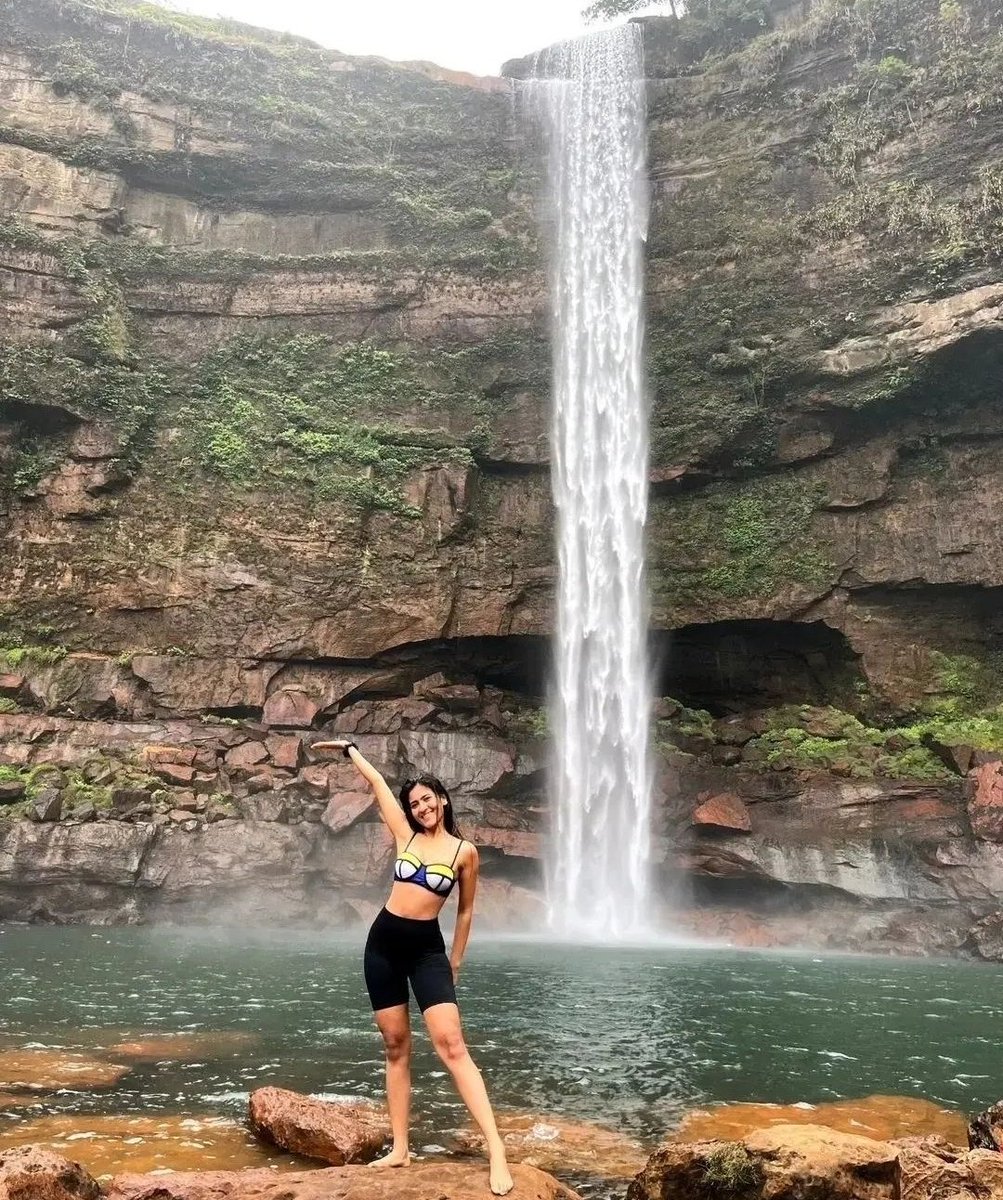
(604, 10)
(703, 24)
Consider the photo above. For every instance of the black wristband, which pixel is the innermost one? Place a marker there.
(350, 746)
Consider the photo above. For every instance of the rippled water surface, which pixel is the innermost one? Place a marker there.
(629, 1037)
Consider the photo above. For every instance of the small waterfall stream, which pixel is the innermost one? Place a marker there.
(589, 98)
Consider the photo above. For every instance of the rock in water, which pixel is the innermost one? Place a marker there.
(335, 1133)
(985, 1132)
(784, 1162)
(420, 1181)
(29, 1173)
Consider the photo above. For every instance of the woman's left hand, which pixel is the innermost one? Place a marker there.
(456, 973)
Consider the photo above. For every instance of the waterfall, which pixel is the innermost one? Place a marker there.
(589, 97)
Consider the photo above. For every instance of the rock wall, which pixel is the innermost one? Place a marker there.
(273, 465)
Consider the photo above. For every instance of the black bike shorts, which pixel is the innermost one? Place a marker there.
(400, 950)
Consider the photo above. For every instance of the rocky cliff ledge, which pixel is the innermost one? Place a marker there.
(274, 464)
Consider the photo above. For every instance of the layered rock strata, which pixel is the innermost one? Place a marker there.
(273, 453)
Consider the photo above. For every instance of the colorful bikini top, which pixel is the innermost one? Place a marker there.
(437, 877)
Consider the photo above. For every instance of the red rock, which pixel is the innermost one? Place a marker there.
(30, 1173)
(554, 1143)
(725, 811)
(247, 754)
(290, 707)
(665, 474)
(10, 684)
(95, 441)
(285, 750)
(984, 790)
(345, 809)
(334, 1133)
(784, 1162)
(421, 1181)
(985, 1131)
(515, 842)
(174, 773)
(155, 756)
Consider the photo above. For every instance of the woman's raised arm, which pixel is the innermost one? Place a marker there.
(390, 810)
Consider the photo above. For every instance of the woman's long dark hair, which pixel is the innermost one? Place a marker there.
(436, 786)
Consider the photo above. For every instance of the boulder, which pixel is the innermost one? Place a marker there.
(31, 1173)
(724, 812)
(345, 809)
(421, 1181)
(784, 1162)
(284, 750)
(930, 1168)
(11, 790)
(290, 707)
(47, 805)
(335, 1133)
(11, 683)
(985, 1131)
(984, 792)
(246, 755)
(987, 937)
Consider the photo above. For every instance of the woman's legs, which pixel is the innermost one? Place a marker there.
(395, 1027)
(443, 1021)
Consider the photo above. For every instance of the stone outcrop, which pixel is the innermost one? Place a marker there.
(448, 1181)
(28, 1173)
(335, 1133)
(792, 1161)
(273, 465)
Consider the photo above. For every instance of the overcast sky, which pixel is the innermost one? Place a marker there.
(465, 35)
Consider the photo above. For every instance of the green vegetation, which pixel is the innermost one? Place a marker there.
(264, 412)
(8, 707)
(301, 128)
(811, 738)
(730, 1170)
(39, 656)
(858, 751)
(741, 540)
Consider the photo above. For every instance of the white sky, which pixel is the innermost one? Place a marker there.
(464, 35)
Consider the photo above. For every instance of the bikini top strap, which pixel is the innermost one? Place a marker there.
(408, 846)
(457, 854)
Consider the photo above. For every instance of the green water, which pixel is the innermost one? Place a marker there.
(629, 1037)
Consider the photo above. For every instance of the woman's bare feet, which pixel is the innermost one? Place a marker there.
(499, 1176)
(396, 1158)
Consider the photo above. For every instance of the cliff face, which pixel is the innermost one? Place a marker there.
(273, 448)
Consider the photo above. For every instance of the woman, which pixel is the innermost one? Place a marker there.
(405, 944)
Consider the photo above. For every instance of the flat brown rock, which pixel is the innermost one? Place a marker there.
(880, 1117)
(784, 1162)
(51, 1069)
(335, 1133)
(182, 1047)
(420, 1181)
(109, 1145)
(30, 1173)
(557, 1144)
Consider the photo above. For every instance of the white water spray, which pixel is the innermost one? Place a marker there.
(589, 95)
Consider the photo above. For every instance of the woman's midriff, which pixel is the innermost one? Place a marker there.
(403, 903)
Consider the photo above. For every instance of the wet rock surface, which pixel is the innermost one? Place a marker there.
(31, 1173)
(334, 1133)
(420, 1181)
(562, 1146)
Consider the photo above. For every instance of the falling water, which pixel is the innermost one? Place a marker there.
(589, 96)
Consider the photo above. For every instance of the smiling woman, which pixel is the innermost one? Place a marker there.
(405, 946)
(439, 31)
